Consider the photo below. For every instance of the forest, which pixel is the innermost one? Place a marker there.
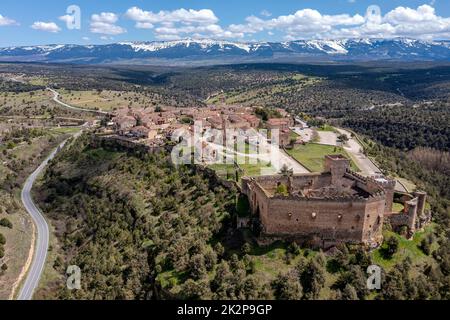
(140, 228)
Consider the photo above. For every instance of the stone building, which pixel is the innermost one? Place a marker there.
(413, 217)
(324, 209)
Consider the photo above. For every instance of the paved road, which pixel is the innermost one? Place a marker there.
(367, 167)
(56, 99)
(327, 137)
(40, 252)
(306, 134)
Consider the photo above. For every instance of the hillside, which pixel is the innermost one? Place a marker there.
(141, 229)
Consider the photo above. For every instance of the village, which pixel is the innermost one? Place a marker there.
(153, 126)
(343, 198)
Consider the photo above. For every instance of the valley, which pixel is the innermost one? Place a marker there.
(142, 228)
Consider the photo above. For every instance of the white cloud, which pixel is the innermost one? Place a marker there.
(308, 23)
(86, 38)
(303, 23)
(420, 22)
(172, 25)
(46, 26)
(203, 16)
(144, 25)
(5, 21)
(104, 23)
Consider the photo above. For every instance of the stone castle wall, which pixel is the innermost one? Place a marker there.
(330, 220)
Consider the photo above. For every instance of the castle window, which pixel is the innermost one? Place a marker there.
(353, 228)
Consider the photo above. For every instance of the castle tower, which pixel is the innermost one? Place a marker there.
(412, 215)
(388, 186)
(421, 200)
(338, 166)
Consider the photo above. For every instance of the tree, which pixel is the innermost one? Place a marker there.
(286, 171)
(2, 239)
(393, 287)
(219, 249)
(391, 246)
(354, 277)
(425, 246)
(6, 223)
(343, 137)
(312, 279)
(287, 286)
(349, 293)
(195, 290)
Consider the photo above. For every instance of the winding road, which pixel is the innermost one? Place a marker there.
(56, 99)
(42, 238)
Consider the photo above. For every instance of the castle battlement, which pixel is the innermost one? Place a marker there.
(337, 199)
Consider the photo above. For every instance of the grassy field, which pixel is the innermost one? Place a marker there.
(250, 170)
(34, 104)
(246, 164)
(327, 127)
(294, 82)
(312, 155)
(105, 100)
(407, 248)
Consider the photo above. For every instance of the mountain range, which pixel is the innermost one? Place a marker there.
(213, 51)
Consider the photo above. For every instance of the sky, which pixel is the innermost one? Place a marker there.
(32, 22)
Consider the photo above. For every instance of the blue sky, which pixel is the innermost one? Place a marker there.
(27, 22)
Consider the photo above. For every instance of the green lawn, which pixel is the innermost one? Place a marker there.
(406, 248)
(312, 155)
(326, 127)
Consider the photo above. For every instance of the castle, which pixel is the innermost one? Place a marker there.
(335, 206)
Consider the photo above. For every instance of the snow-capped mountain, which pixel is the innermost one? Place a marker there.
(199, 50)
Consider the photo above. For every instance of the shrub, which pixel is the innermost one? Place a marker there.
(425, 247)
(391, 246)
(6, 223)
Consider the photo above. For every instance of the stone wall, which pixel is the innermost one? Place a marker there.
(331, 220)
